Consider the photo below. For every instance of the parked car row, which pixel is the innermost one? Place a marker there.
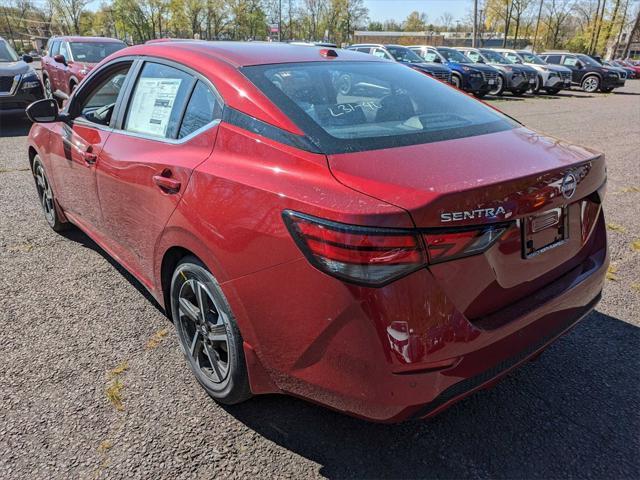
(483, 71)
(480, 71)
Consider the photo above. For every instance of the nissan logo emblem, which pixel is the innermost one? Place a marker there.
(569, 185)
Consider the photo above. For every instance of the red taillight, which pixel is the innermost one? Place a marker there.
(368, 256)
(377, 256)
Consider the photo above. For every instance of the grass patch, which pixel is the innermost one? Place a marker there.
(114, 394)
(630, 189)
(121, 368)
(156, 339)
(612, 273)
(614, 227)
(635, 246)
(105, 446)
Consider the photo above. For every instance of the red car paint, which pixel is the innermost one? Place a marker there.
(408, 348)
(64, 77)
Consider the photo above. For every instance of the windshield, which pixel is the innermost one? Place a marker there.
(532, 58)
(94, 52)
(454, 55)
(354, 106)
(402, 54)
(589, 61)
(7, 54)
(494, 57)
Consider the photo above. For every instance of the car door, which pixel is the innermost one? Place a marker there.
(76, 149)
(50, 65)
(572, 62)
(168, 129)
(62, 70)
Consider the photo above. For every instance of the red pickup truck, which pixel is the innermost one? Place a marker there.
(69, 59)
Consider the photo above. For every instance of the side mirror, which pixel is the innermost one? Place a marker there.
(437, 59)
(27, 58)
(43, 111)
(579, 65)
(60, 59)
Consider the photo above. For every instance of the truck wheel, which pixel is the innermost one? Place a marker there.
(590, 84)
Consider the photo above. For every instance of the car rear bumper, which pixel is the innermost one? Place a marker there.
(401, 351)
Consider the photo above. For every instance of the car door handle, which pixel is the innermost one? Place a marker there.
(167, 184)
(89, 157)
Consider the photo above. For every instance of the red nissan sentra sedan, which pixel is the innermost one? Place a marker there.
(324, 223)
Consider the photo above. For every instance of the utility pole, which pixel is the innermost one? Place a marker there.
(507, 24)
(279, 20)
(535, 35)
(474, 41)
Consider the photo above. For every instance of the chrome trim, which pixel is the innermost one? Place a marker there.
(14, 86)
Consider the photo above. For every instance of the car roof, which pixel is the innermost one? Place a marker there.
(70, 38)
(241, 54)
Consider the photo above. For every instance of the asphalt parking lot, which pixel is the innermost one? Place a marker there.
(93, 384)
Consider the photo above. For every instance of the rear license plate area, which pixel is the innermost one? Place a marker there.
(544, 231)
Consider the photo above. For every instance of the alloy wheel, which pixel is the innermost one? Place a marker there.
(47, 88)
(45, 194)
(204, 330)
(498, 88)
(590, 84)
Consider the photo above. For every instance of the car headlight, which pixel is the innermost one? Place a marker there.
(84, 71)
(508, 69)
(29, 85)
(476, 74)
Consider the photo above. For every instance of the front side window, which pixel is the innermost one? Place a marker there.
(380, 53)
(532, 58)
(7, 54)
(98, 105)
(570, 61)
(55, 48)
(403, 54)
(203, 108)
(454, 55)
(383, 105)
(495, 57)
(63, 51)
(552, 59)
(94, 52)
(429, 56)
(156, 104)
(475, 56)
(513, 57)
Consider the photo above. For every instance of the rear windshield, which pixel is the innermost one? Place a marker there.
(94, 52)
(355, 106)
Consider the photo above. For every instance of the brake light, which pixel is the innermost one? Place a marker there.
(376, 256)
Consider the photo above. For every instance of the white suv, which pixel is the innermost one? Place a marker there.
(551, 78)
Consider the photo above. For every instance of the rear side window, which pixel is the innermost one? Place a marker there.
(570, 61)
(157, 101)
(552, 58)
(475, 56)
(429, 56)
(350, 106)
(203, 108)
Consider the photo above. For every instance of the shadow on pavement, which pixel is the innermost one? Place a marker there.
(14, 126)
(76, 235)
(572, 413)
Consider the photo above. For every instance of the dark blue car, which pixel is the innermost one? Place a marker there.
(466, 75)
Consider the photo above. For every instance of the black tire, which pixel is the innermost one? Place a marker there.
(499, 87)
(590, 84)
(518, 93)
(456, 81)
(553, 91)
(212, 344)
(607, 90)
(479, 94)
(46, 196)
(48, 92)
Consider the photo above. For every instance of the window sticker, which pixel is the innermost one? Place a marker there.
(152, 105)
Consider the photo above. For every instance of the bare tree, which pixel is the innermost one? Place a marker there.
(70, 12)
